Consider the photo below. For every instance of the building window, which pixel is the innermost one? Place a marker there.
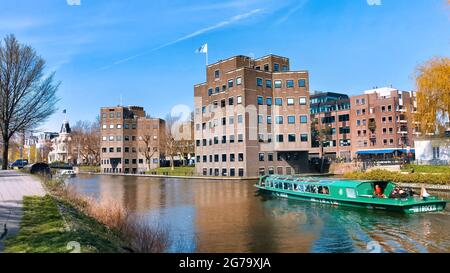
(239, 99)
(301, 83)
(111, 150)
(345, 117)
(104, 150)
(268, 83)
(217, 90)
(260, 138)
(216, 158)
(280, 138)
(302, 100)
(260, 100)
(240, 137)
(217, 74)
(232, 172)
(238, 81)
(224, 139)
(291, 119)
(291, 137)
(230, 83)
(304, 137)
(210, 91)
(261, 157)
(269, 119)
(240, 119)
(259, 81)
(289, 84)
(224, 158)
(290, 101)
(223, 103)
(260, 119)
(270, 157)
(277, 84)
(240, 157)
(230, 101)
(279, 101)
(231, 120)
(303, 119)
(266, 67)
(276, 67)
(241, 172)
(269, 101)
(232, 158)
(284, 68)
(279, 120)
(231, 138)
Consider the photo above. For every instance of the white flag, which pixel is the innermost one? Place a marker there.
(202, 49)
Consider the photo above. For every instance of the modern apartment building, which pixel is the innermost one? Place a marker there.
(330, 115)
(131, 142)
(251, 118)
(381, 125)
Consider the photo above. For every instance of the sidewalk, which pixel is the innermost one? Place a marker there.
(14, 186)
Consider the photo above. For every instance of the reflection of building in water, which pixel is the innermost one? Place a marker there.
(230, 218)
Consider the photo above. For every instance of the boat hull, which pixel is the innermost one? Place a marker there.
(430, 206)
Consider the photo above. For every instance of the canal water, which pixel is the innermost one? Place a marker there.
(230, 216)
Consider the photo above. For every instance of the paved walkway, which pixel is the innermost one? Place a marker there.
(14, 186)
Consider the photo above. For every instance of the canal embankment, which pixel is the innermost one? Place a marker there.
(54, 218)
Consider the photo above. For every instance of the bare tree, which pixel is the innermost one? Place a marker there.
(170, 140)
(27, 97)
(86, 141)
(147, 148)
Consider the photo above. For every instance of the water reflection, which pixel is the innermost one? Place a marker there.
(226, 216)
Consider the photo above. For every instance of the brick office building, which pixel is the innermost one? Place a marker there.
(126, 133)
(381, 125)
(252, 117)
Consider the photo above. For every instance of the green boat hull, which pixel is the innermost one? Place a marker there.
(420, 207)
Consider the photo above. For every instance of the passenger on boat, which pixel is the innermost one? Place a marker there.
(379, 192)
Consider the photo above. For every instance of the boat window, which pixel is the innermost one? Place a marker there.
(301, 188)
(351, 193)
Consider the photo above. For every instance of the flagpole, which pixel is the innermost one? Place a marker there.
(206, 57)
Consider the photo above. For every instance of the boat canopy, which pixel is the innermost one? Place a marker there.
(383, 151)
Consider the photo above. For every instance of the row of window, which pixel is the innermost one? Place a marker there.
(125, 138)
(261, 138)
(119, 126)
(298, 187)
(112, 115)
(303, 119)
(259, 82)
(126, 149)
(260, 101)
(127, 161)
(223, 172)
(220, 158)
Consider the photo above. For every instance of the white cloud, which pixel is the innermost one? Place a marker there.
(219, 25)
(292, 11)
(73, 2)
(374, 2)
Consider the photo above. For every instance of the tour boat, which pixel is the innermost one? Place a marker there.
(352, 193)
(68, 173)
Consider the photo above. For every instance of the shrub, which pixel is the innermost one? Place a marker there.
(398, 177)
(140, 236)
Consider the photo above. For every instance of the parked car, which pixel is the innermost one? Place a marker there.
(19, 163)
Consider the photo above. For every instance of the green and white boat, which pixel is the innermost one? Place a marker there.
(352, 193)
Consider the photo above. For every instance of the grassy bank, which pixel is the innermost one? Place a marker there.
(49, 225)
(178, 171)
(426, 178)
(426, 169)
(94, 169)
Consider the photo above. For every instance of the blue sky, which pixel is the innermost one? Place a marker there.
(144, 50)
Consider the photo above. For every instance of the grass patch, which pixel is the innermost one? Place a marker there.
(428, 178)
(44, 229)
(426, 168)
(94, 169)
(178, 171)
